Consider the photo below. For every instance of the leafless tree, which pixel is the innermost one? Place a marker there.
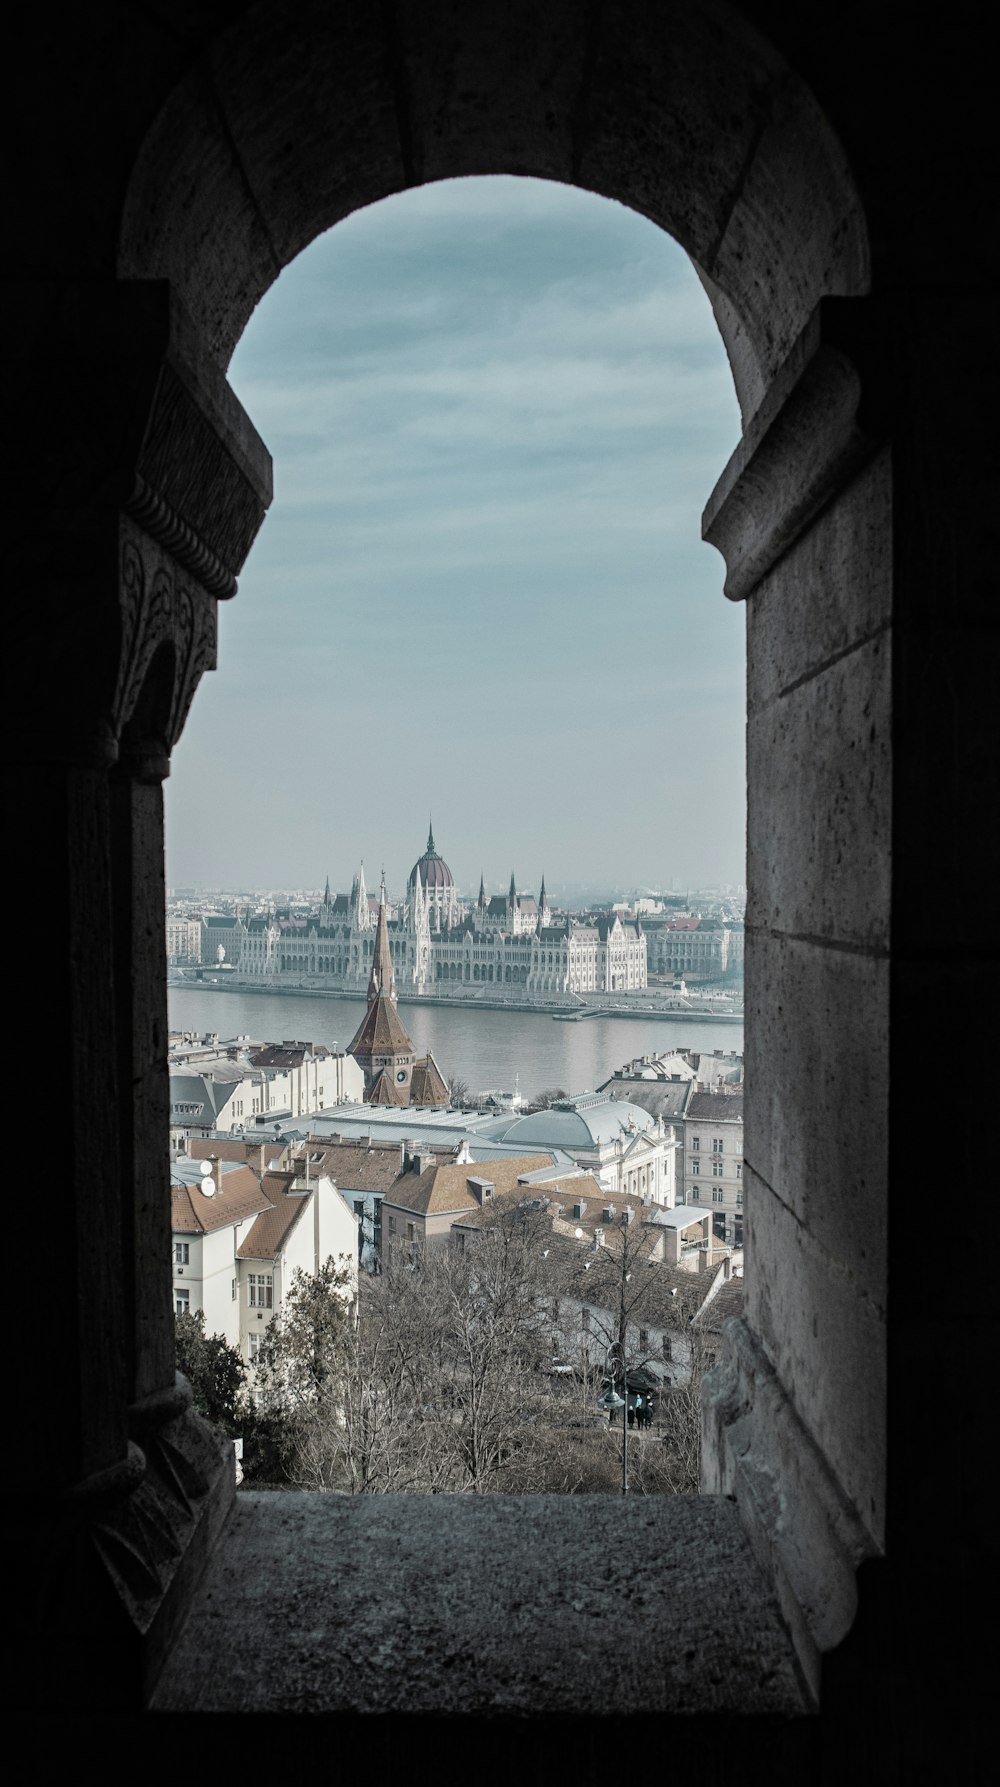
(447, 1379)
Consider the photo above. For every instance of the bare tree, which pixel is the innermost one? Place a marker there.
(451, 1374)
(543, 1100)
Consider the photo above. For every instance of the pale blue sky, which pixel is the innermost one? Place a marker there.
(496, 408)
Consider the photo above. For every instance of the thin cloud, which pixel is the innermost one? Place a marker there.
(496, 409)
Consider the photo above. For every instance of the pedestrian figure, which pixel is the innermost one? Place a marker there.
(631, 1416)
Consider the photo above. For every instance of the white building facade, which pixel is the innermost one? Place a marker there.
(512, 943)
(239, 1235)
(713, 1160)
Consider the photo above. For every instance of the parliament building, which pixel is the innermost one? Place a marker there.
(510, 941)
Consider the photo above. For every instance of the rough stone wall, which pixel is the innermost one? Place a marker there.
(205, 148)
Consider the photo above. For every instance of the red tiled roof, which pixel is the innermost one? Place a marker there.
(239, 1196)
(274, 1225)
(381, 1031)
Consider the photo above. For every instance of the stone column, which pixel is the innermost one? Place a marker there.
(855, 521)
(139, 489)
(796, 1414)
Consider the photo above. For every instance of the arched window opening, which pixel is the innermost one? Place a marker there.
(715, 137)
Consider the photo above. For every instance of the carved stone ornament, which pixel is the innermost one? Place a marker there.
(167, 617)
(191, 492)
(824, 416)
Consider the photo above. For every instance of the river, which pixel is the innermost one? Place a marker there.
(487, 1049)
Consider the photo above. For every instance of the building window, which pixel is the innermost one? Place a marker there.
(718, 1197)
(585, 1320)
(739, 1200)
(233, 1289)
(718, 1145)
(182, 1300)
(717, 1169)
(696, 1166)
(739, 1169)
(254, 1344)
(182, 1253)
(696, 1143)
(261, 1295)
(643, 1340)
(667, 1351)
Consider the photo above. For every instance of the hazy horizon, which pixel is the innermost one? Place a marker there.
(496, 408)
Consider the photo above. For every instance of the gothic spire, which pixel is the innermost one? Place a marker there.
(361, 910)
(430, 839)
(383, 982)
(512, 896)
(481, 902)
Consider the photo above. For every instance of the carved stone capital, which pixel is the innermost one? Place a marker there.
(168, 632)
(825, 414)
(120, 1554)
(137, 491)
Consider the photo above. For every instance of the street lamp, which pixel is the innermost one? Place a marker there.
(612, 1400)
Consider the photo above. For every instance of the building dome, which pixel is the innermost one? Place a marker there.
(434, 871)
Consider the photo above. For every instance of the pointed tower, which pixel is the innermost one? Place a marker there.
(381, 1046)
(362, 916)
(481, 902)
(383, 980)
(544, 915)
(419, 923)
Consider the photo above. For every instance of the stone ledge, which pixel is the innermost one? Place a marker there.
(496, 1606)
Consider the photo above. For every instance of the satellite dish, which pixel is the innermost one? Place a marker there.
(207, 1186)
(204, 1166)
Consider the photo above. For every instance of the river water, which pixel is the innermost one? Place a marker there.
(488, 1049)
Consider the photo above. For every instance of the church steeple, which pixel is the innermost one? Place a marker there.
(481, 902)
(383, 982)
(512, 896)
(381, 1046)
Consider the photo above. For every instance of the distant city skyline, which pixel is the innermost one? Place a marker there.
(496, 409)
(569, 891)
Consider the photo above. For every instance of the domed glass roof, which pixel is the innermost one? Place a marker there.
(589, 1121)
(434, 871)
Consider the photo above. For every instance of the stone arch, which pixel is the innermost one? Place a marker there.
(700, 126)
(684, 113)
